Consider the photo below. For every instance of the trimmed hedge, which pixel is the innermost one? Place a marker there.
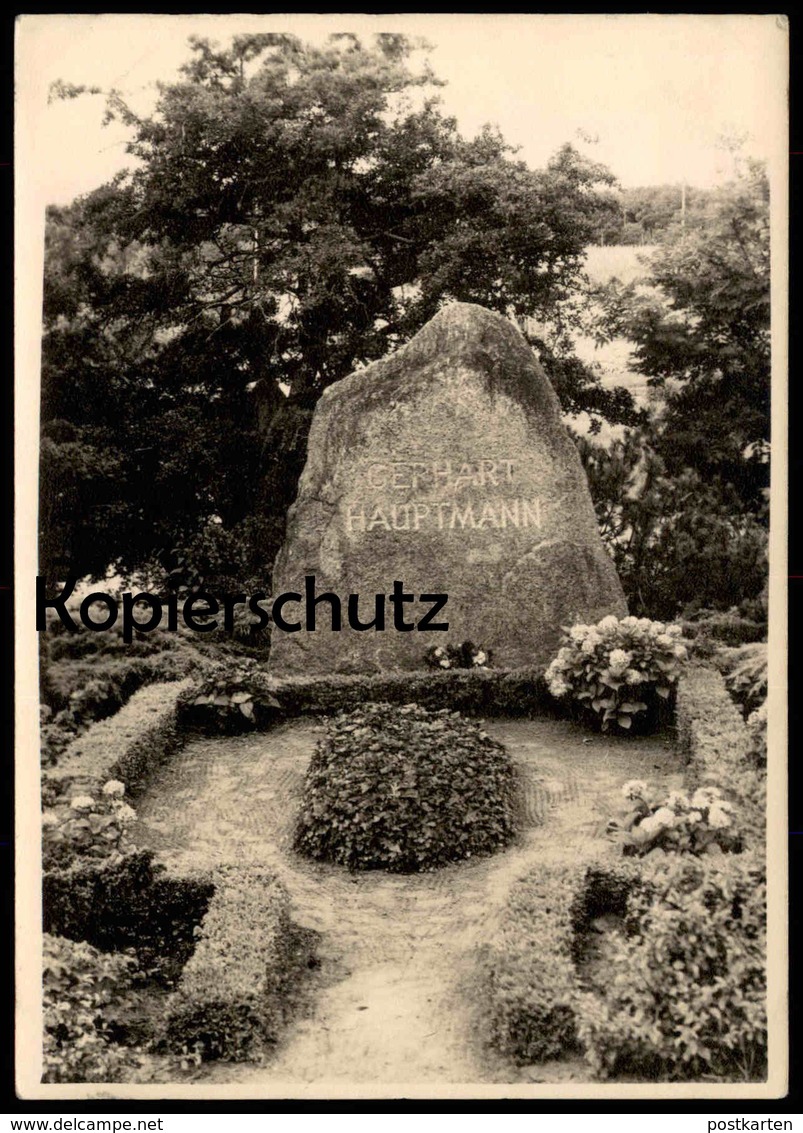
(128, 746)
(477, 692)
(527, 970)
(405, 789)
(713, 736)
(128, 903)
(719, 749)
(237, 990)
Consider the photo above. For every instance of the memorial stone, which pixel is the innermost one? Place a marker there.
(445, 466)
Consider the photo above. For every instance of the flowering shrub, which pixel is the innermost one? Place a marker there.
(615, 667)
(680, 823)
(684, 994)
(405, 789)
(79, 984)
(466, 655)
(87, 827)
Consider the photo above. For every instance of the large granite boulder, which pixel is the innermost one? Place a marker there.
(445, 466)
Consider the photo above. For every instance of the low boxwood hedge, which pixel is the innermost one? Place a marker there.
(526, 970)
(717, 745)
(233, 698)
(237, 990)
(127, 746)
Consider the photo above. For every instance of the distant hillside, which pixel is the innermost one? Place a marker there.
(624, 261)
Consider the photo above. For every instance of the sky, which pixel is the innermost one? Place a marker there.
(655, 94)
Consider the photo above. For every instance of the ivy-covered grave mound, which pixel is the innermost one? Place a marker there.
(405, 789)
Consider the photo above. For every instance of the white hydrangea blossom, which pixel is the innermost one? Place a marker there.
(705, 797)
(609, 622)
(82, 802)
(619, 659)
(634, 789)
(660, 820)
(114, 787)
(718, 816)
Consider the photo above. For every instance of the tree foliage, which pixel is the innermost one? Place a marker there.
(648, 214)
(681, 543)
(702, 336)
(295, 212)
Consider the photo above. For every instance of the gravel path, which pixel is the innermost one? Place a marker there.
(393, 1002)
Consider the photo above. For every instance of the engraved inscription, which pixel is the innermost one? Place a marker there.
(441, 496)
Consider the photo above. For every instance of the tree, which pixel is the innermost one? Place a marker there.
(296, 212)
(682, 500)
(680, 543)
(702, 336)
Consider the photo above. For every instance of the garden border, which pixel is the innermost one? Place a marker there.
(125, 746)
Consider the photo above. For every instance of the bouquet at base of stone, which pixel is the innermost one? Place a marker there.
(466, 655)
(618, 670)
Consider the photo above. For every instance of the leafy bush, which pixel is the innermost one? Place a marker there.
(87, 827)
(79, 984)
(232, 698)
(237, 990)
(127, 747)
(679, 538)
(527, 972)
(680, 823)
(685, 993)
(475, 692)
(745, 671)
(128, 902)
(466, 655)
(405, 789)
(615, 668)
